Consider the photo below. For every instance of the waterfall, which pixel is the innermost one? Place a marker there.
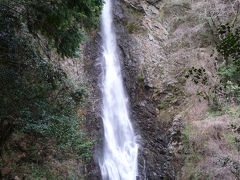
(119, 161)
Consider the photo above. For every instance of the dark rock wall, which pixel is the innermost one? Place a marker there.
(154, 159)
(93, 71)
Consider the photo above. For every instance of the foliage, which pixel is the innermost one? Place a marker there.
(229, 47)
(227, 38)
(228, 161)
(133, 27)
(193, 150)
(62, 22)
(207, 91)
(36, 97)
(140, 79)
(38, 172)
(197, 75)
(228, 43)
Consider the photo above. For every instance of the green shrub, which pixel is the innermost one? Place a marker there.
(35, 95)
(227, 38)
(228, 45)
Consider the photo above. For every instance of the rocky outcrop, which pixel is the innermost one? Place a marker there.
(157, 40)
(92, 70)
(175, 144)
(154, 157)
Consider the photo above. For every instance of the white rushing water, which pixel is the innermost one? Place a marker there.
(119, 161)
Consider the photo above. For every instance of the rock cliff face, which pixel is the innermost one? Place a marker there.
(157, 39)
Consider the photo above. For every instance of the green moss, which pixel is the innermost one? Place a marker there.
(231, 140)
(132, 12)
(212, 113)
(140, 79)
(175, 94)
(185, 135)
(167, 102)
(132, 27)
(134, 18)
(166, 116)
(232, 111)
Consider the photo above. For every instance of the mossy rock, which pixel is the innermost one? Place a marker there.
(133, 20)
(166, 116)
(133, 28)
(173, 96)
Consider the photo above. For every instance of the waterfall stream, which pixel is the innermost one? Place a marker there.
(120, 151)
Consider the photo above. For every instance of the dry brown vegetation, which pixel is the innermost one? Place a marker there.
(211, 144)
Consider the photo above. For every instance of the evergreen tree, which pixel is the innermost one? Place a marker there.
(62, 22)
(35, 97)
